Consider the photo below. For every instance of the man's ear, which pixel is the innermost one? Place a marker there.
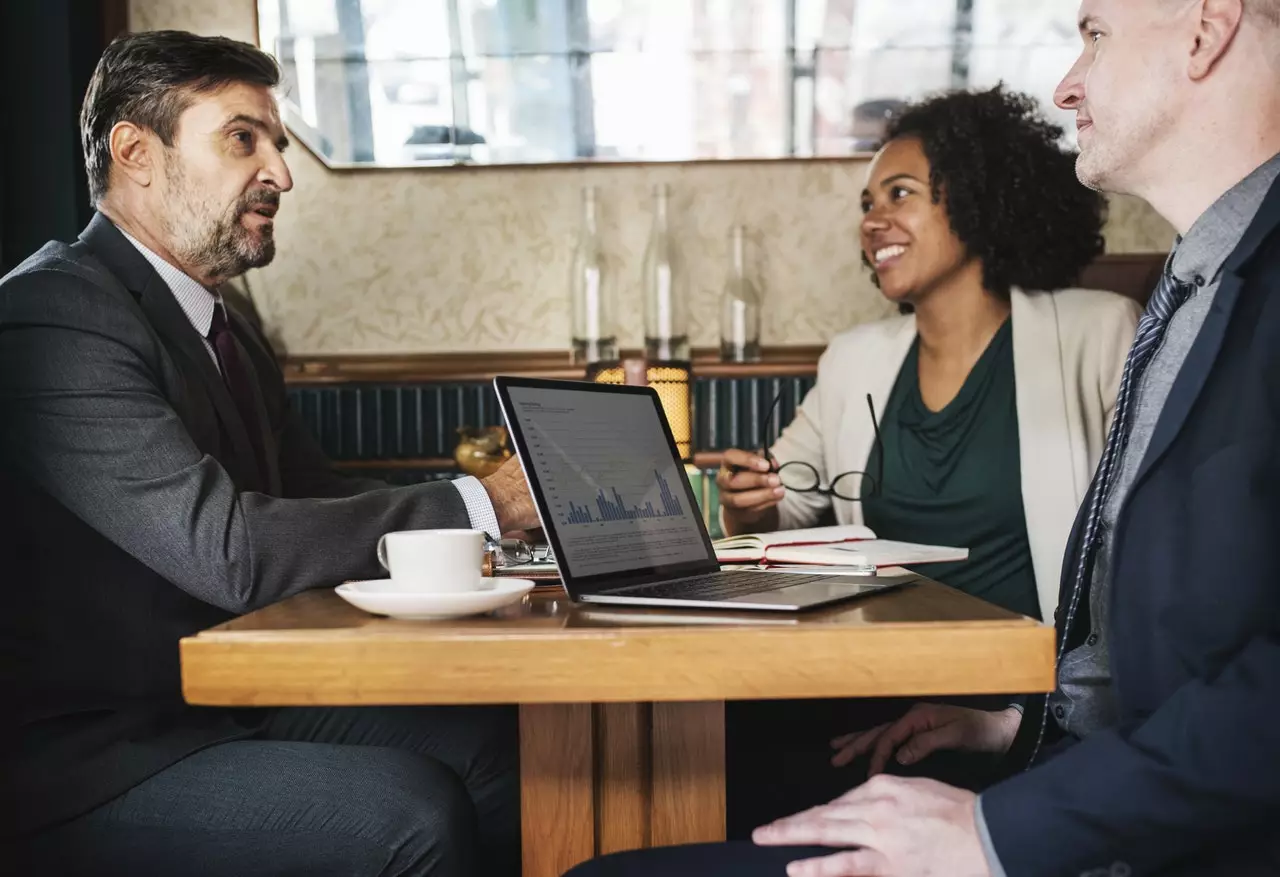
(135, 152)
(1219, 23)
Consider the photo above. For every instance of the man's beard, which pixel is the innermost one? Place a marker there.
(215, 241)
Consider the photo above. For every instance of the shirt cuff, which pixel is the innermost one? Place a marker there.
(479, 506)
(988, 848)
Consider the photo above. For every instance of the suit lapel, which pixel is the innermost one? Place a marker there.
(167, 317)
(1204, 352)
(1192, 375)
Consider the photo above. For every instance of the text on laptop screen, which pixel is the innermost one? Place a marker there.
(610, 480)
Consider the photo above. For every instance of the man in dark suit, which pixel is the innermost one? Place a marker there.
(1159, 753)
(155, 483)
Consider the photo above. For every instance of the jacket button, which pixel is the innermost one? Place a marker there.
(1059, 711)
(1092, 640)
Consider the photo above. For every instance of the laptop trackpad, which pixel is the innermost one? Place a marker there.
(817, 593)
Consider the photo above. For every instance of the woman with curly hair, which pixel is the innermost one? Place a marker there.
(994, 391)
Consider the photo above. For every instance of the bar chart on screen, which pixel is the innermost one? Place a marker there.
(610, 506)
(608, 478)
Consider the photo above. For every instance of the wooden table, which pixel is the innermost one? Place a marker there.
(622, 710)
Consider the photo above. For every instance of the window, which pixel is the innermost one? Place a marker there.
(533, 81)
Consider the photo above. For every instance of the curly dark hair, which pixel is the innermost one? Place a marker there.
(1012, 196)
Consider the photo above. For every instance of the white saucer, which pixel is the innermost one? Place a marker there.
(374, 596)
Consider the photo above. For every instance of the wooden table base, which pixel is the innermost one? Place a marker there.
(604, 778)
(622, 744)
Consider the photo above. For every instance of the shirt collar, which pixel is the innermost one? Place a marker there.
(196, 301)
(1205, 248)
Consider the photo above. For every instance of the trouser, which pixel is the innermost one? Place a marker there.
(356, 792)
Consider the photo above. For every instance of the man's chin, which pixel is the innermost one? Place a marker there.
(1090, 173)
(244, 259)
(263, 255)
(256, 250)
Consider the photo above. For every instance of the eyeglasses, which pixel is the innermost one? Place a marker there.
(514, 552)
(802, 477)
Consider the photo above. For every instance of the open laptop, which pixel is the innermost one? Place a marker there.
(620, 513)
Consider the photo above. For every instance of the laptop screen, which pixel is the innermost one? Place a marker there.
(610, 488)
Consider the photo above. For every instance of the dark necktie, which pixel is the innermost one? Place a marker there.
(239, 385)
(1168, 297)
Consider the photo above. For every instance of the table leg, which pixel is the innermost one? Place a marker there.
(623, 776)
(619, 776)
(557, 792)
(688, 773)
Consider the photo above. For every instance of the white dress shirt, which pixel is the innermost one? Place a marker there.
(198, 303)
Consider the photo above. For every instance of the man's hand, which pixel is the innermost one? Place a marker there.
(925, 729)
(509, 492)
(893, 827)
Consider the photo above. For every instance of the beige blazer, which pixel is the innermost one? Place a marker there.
(1069, 348)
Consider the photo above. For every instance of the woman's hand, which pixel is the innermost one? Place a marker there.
(927, 728)
(749, 492)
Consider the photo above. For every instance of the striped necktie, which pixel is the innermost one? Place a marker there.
(1168, 297)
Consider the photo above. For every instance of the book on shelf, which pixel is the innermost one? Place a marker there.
(846, 545)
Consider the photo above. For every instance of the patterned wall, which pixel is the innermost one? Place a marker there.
(458, 259)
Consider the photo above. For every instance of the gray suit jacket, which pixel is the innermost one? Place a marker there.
(135, 515)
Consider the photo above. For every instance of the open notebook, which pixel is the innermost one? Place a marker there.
(846, 545)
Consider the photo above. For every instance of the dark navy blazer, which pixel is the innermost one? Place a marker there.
(1189, 778)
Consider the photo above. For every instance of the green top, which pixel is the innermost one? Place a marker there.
(952, 477)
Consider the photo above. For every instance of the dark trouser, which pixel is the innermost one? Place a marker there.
(778, 755)
(318, 792)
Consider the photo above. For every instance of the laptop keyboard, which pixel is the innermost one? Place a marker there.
(718, 585)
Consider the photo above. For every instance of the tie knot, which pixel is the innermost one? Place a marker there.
(1169, 295)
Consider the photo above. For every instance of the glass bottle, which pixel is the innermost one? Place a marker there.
(666, 322)
(595, 334)
(739, 306)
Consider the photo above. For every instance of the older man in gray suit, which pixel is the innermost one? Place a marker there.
(156, 483)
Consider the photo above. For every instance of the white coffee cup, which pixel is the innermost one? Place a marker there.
(437, 561)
